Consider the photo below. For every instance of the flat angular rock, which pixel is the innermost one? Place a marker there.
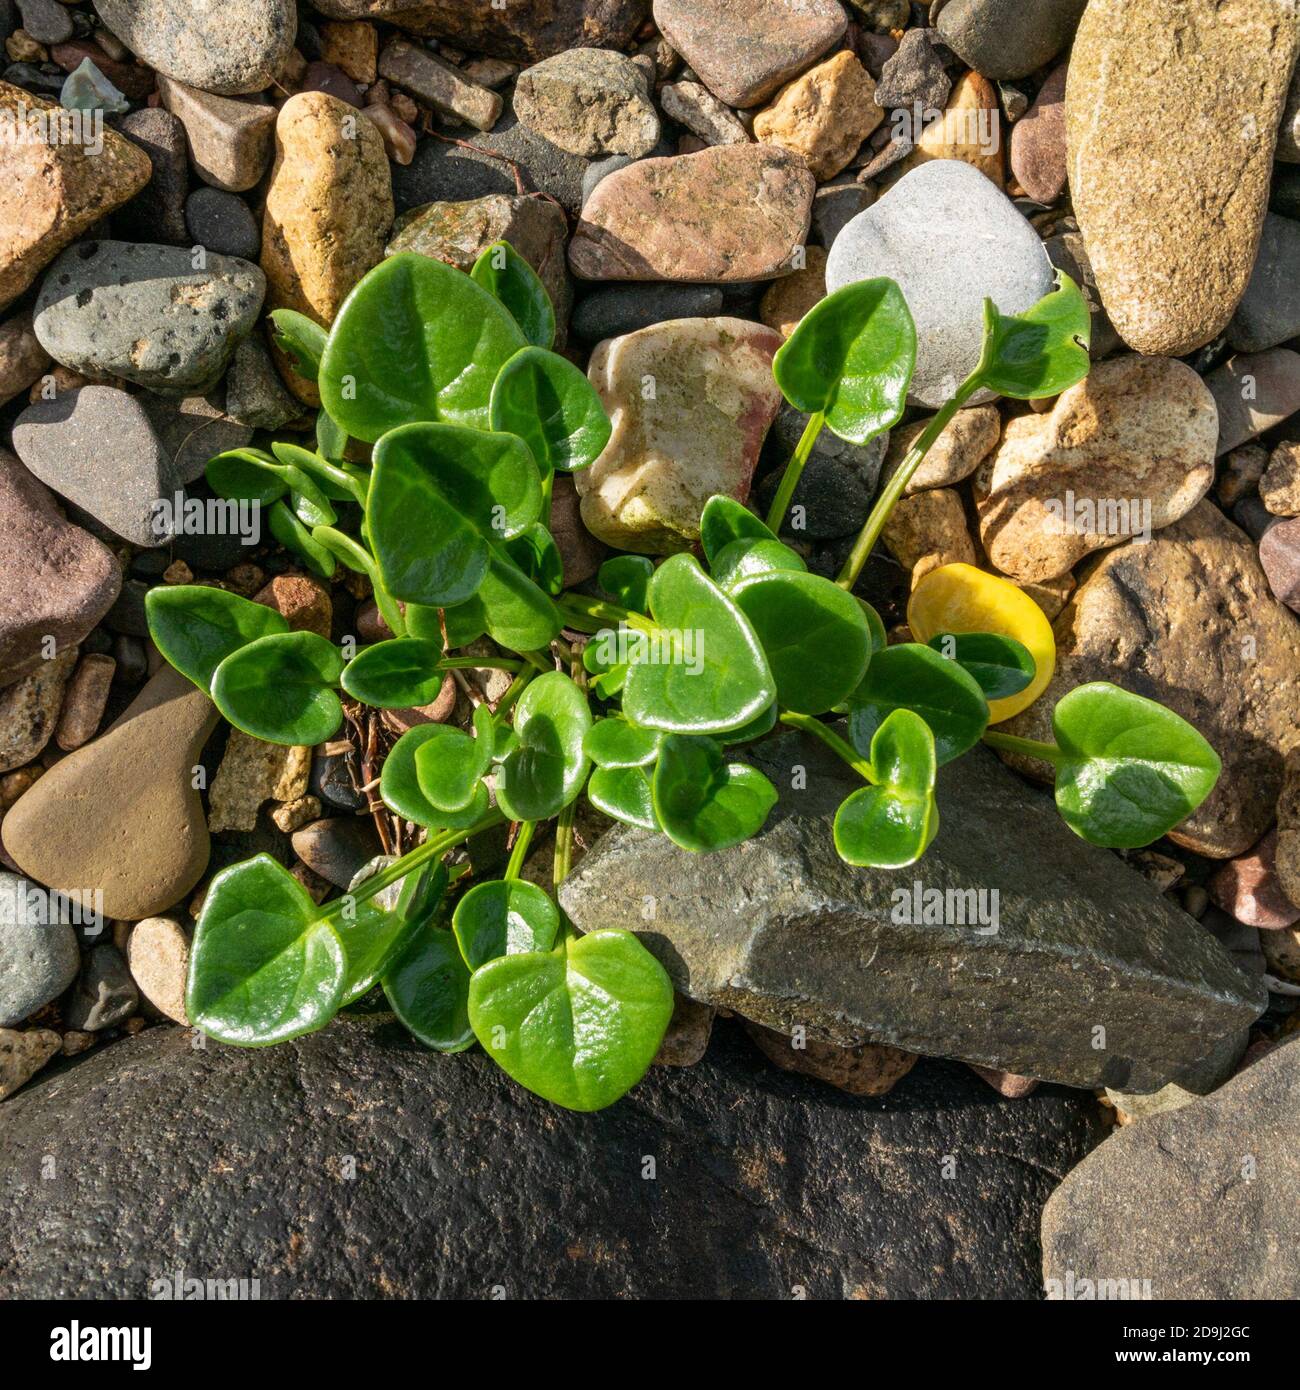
(57, 581)
(121, 814)
(589, 101)
(783, 932)
(52, 192)
(439, 84)
(1199, 1203)
(699, 433)
(230, 141)
(1145, 618)
(525, 33)
(96, 448)
(223, 46)
(38, 948)
(1173, 245)
(145, 314)
(743, 50)
(732, 212)
(766, 1182)
(1008, 38)
(1124, 452)
(823, 116)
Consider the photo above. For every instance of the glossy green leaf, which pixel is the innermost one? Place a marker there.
(917, 678)
(1040, 352)
(301, 338)
(331, 437)
(428, 987)
(578, 1025)
(742, 559)
(814, 635)
(548, 767)
(704, 802)
(399, 785)
(504, 273)
(397, 674)
(467, 487)
(553, 408)
(196, 627)
(704, 670)
(450, 764)
(875, 625)
(264, 967)
(280, 688)
(248, 475)
(606, 673)
(891, 824)
(616, 743)
(508, 606)
(375, 930)
(535, 552)
(1131, 770)
(624, 793)
(1000, 665)
(415, 340)
(626, 579)
(504, 918)
(851, 358)
(293, 535)
(725, 520)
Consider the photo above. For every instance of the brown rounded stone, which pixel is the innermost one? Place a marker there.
(1038, 142)
(960, 448)
(870, 1069)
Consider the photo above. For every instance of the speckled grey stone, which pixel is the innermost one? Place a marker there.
(223, 222)
(104, 994)
(1269, 312)
(949, 238)
(143, 313)
(46, 20)
(38, 948)
(1008, 38)
(255, 392)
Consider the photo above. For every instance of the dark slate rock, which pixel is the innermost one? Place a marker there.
(223, 222)
(609, 313)
(915, 73)
(443, 171)
(1202, 1202)
(157, 212)
(838, 481)
(332, 782)
(354, 1164)
(213, 551)
(782, 931)
(1008, 38)
(46, 20)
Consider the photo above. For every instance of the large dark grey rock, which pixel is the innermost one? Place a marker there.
(1090, 978)
(353, 1164)
(1008, 38)
(1202, 1202)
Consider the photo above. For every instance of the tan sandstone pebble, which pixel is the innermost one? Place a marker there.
(970, 130)
(1126, 451)
(439, 711)
(178, 572)
(698, 433)
(873, 1069)
(728, 213)
(927, 530)
(75, 1042)
(329, 207)
(1241, 472)
(1051, 595)
(1172, 238)
(293, 815)
(687, 1038)
(354, 47)
(29, 709)
(23, 1054)
(54, 191)
(84, 701)
(22, 48)
(229, 141)
(252, 773)
(962, 445)
(1282, 953)
(303, 602)
(158, 955)
(823, 115)
(1249, 889)
(1279, 487)
(1145, 618)
(1005, 1083)
(786, 301)
(22, 358)
(14, 784)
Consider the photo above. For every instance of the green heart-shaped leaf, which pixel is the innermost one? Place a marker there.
(553, 408)
(504, 918)
(280, 688)
(196, 627)
(399, 784)
(535, 552)
(1000, 665)
(814, 635)
(703, 802)
(504, 273)
(548, 767)
(415, 340)
(851, 358)
(450, 764)
(725, 520)
(891, 824)
(607, 674)
(578, 1025)
(742, 559)
(1131, 770)
(616, 743)
(395, 675)
(624, 793)
(917, 678)
(375, 930)
(428, 986)
(467, 487)
(264, 967)
(1040, 352)
(626, 579)
(704, 670)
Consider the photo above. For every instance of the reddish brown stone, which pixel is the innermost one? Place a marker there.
(1038, 142)
(1249, 889)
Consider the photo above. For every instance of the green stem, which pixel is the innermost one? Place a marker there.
(894, 488)
(605, 613)
(420, 855)
(513, 692)
(356, 557)
(833, 741)
(488, 663)
(538, 662)
(793, 470)
(563, 844)
(1027, 747)
(548, 487)
(522, 840)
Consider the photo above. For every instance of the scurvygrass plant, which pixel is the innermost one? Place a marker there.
(452, 380)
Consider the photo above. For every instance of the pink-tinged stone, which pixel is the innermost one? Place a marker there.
(1038, 142)
(743, 50)
(690, 401)
(1006, 1083)
(1249, 889)
(1279, 556)
(732, 212)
